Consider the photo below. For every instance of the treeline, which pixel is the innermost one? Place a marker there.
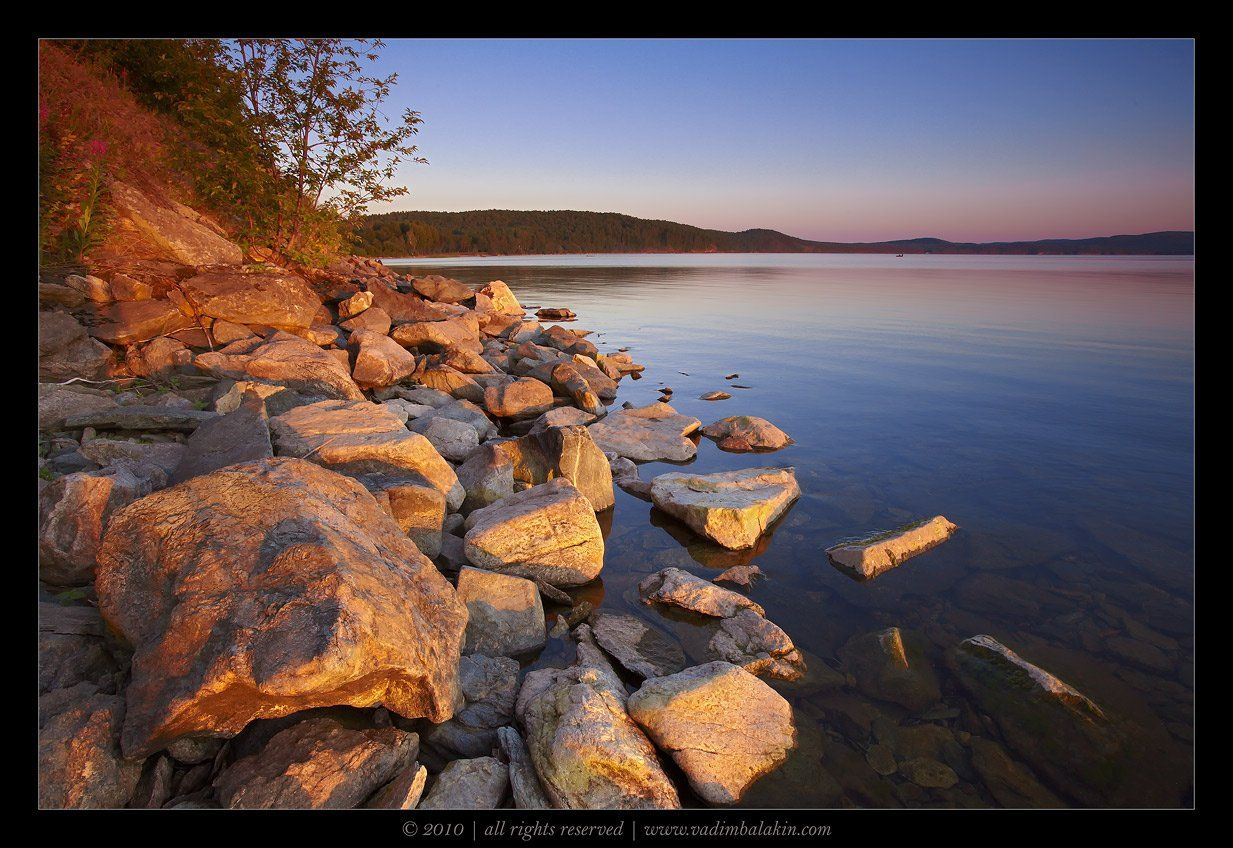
(510, 233)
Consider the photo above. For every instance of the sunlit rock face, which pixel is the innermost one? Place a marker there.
(733, 508)
(647, 433)
(270, 587)
(284, 360)
(867, 558)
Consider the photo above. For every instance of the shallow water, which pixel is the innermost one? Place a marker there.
(1044, 404)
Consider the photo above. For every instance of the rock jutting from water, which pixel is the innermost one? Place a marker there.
(743, 433)
(733, 508)
(868, 557)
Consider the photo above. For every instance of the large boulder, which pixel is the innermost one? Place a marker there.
(357, 438)
(181, 233)
(587, 751)
(379, 360)
(267, 588)
(79, 761)
(489, 473)
(647, 433)
(435, 336)
(442, 289)
(742, 433)
(724, 727)
(285, 360)
(66, 351)
(130, 322)
(523, 398)
(547, 532)
(316, 764)
(404, 308)
(247, 296)
(505, 616)
(733, 508)
(502, 299)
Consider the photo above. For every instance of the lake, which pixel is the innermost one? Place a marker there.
(1043, 404)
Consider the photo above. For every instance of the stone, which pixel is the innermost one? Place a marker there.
(403, 308)
(559, 417)
(449, 380)
(57, 403)
(870, 556)
(154, 787)
(720, 724)
(229, 394)
(194, 750)
(141, 417)
(647, 433)
(748, 640)
(354, 305)
(285, 360)
(502, 298)
(226, 332)
(435, 336)
(454, 440)
(547, 532)
(741, 575)
(92, 288)
(490, 686)
(524, 782)
(165, 456)
(523, 398)
(715, 395)
(267, 588)
(130, 322)
(74, 511)
(239, 436)
(375, 320)
(414, 503)
(476, 784)
(357, 438)
(625, 474)
(440, 289)
(401, 793)
(180, 232)
(733, 508)
(161, 359)
(379, 360)
(505, 613)
(555, 313)
(890, 668)
(741, 433)
(54, 294)
(67, 352)
(1011, 784)
(640, 648)
(675, 587)
(584, 747)
(929, 774)
(79, 761)
(274, 298)
(73, 648)
(881, 759)
(466, 411)
(316, 764)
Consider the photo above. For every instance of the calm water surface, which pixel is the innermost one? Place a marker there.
(1044, 404)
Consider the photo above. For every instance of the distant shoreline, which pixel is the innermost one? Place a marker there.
(388, 259)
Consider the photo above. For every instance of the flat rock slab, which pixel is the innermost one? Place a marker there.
(724, 727)
(179, 231)
(476, 784)
(547, 532)
(505, 613)
(638, 647)
(647, 433)
(679, 588)
(286, 360)
(139, 417)
(733, 508)
(743, 433)
(401, 793)
(316, 764)
(867, 558)
(130, 322)
(58, 403)
(267, 588)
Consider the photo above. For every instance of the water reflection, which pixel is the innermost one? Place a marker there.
(1044, 404)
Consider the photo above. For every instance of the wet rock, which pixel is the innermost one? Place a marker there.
(442, 289)
(477, 784)
(74, 512)
(741, 433)
(454, 440)
(587, 751)
(181, 233)
(733, 508)
(379, 360)
(401, 793)
(285, 360)
(748, 640)
(66, 351)
(242, 592)
(58, 403)
(1011, 784)
(741, 575)
(679, 588)
(490, 686)
(888, 668)
(867, 558)
(79, 761)
(722, 726)
(523, 398)
(528, 794)
(505, 613)
(643, 650)
(357, 438)
(625, 475)
(316, 764)
(715, 395)
(239, 436)
(547, 532)
(273, 298)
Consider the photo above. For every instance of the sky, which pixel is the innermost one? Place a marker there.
(838, 140)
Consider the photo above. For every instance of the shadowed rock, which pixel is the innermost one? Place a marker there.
(79, 761)
(505, 613)
(477, 784)
(524, 782)
(888, 668)
(640, 648)
(239, 436)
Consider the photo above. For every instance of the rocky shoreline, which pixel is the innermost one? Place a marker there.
(301, 530)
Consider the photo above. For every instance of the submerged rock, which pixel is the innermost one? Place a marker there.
(867, 558)
(887, 668)
(733, 508)
(640, 648)
(741, 575)
(267, 588)
(647, 433)
(741, 433)
(722, 726)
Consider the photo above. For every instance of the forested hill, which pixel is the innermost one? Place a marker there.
(507, 232)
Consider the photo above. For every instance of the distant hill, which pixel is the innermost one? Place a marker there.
(504, 232)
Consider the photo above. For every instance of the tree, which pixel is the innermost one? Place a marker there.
(316, 113)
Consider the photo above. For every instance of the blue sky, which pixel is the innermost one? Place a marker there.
(844, 140)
